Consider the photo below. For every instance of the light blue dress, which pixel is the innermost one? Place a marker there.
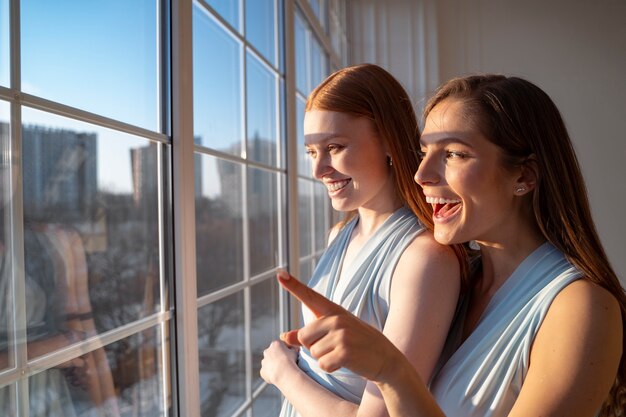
(482, 377)
(363, 290)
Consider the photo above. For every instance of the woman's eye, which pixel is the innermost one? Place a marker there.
(455, 155)
(311, 153)
(334, 148)
(421, 154)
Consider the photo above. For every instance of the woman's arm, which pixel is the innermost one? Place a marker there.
(424, 293)
(575, 355)
(339, 339)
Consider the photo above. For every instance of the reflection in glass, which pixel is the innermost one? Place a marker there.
(263, 213)
(5, 61)
(268, 403)
(305, 197)
(301, 48)
(219, 223)
(106, 65)
(221, 352)
(261, 27)
(229, 10)
(320, 202)
(262, 90)
(7, 401)
(122, 379)
(90, 229)
(304, 160)
(217, 86)
(265, 323)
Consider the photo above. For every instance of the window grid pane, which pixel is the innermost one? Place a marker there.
(106, 65)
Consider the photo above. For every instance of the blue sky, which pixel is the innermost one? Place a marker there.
(102, 57)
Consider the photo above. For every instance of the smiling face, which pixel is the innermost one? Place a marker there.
(350, 159)
(463, 177)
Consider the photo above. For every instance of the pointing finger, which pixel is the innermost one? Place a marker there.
(318, 304)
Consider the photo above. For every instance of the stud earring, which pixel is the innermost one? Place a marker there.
(520, 189)
(389, 160)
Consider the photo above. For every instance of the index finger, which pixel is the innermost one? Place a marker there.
(317, 303)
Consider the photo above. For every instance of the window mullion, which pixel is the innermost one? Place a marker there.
(188, 395)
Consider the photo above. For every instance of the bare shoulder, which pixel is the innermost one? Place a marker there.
(586, 319)
(576, 352)
(425, 257)
(587, 303)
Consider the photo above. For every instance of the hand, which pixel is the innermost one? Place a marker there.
(277, 358)
(339, 339)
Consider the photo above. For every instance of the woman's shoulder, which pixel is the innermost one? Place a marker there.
(576, 351)
(587, 301)
(430, 258)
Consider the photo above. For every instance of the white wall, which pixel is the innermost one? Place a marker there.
(574, 49)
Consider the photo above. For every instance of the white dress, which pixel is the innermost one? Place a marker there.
(483, 376)
(363, 290)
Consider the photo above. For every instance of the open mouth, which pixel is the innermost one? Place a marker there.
(443, 207)
(336, 185)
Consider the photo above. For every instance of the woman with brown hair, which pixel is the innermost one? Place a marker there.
(382, 263)
(541, 330)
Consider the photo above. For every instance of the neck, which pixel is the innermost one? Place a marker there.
(370, 220)
(500, 259)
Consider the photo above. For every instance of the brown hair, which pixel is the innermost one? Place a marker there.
(522, 120)
(369, 91)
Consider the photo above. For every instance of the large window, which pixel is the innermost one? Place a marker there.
(89, 323)
(83, 257)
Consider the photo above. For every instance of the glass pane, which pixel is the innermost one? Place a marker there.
(261, 27)
(217, 86)
(6, 307)
(229, 10)
(106, 65)
(268, 403)
(8, 400)
(122, 379)
(306, 270)
(91, 228)
(263, 213)
(221, 351)
(320, 202)
(320, 11)
(301, 47)
(319, 63)
(262, 90)
(219, 223)
(265, 323)
(304, 161)
(315, 5)
(305, 197)
(5, 61)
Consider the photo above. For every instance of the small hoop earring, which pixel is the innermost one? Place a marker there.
(520, 189)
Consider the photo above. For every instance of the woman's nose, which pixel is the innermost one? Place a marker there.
(321, 166)
(427, 172)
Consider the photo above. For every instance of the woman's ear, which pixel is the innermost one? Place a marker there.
(528, 176)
